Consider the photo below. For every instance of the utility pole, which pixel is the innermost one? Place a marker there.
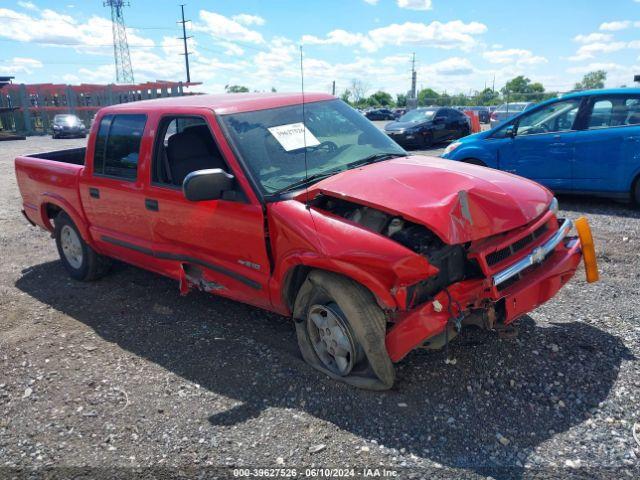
(184, 39)
(412, 101)
(333, 88)
(413, 76)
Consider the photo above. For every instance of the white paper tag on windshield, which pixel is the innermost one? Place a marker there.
(293, 136)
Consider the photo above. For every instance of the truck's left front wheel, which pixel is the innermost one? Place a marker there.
(78, 258)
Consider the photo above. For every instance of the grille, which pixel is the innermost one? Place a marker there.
(504, 253)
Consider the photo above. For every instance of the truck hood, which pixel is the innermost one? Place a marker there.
(456, 201)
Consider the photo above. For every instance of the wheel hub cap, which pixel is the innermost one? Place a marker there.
(331, 338)
(71, 246)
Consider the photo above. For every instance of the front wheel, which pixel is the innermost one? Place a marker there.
(636, 192)
(78, 258)
(341, 331)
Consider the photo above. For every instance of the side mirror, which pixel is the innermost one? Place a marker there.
(510, 131)
(206, 184)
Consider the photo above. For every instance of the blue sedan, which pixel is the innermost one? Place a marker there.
(586, 142)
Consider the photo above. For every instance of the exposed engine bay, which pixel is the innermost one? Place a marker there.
(451, 260)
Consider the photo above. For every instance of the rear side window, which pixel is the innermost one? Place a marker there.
(118, 146)
(614, 111)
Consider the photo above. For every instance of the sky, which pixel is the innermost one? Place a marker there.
(460, 45)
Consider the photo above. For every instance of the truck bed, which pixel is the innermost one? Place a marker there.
(50, 179)
(70, 155)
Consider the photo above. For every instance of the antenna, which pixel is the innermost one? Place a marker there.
(304, 127)
(124, 70)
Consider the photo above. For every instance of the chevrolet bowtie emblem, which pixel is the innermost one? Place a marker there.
(537, 255)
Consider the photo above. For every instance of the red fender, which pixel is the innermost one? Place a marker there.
(60, 202)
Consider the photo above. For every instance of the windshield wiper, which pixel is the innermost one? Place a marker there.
(306, 181)
(376, 157)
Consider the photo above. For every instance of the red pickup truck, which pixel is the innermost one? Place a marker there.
(306, 209)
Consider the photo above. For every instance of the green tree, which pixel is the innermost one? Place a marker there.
(592, 81)
(380, 98)
(346, 96)
(488, 97)
(521, 89)
(401, 100)
(428, 96)
(236, 89)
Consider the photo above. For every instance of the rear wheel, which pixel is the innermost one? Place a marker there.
(341, 331)
(78, 258)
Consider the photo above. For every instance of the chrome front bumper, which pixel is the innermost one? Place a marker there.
(536, 256)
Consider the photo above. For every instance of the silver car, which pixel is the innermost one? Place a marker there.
(508, 110)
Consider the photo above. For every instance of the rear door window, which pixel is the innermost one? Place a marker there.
(614, 111)
(118, 146)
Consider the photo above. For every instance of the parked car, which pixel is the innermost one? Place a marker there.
(483, 113)
(68, 125)
(424, 127)
(371, 251)
(586, 142)
(398, 112)
(508, 110)
(380, 114)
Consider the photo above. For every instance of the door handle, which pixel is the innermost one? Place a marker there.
(151, 204)
(94, 192)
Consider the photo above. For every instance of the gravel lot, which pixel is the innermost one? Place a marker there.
(124, 373)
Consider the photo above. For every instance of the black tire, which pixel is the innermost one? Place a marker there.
(54, 136)
(85, 267)
(372, 368)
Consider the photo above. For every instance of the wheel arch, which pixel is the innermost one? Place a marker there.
(296, 276)
(53, 206)
(474, 161)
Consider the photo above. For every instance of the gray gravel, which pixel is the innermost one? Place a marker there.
(124, 373)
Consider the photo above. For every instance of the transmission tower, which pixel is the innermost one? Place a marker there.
(124, 71)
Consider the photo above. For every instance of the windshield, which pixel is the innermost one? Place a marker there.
(417, 116)
(271, 142)
(512, 107)
(65, 119)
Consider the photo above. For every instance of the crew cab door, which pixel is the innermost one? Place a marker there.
(220, 244)
(111, 188)
(543, 146)
(608, 147)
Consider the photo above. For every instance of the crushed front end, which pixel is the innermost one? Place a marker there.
(489, 283)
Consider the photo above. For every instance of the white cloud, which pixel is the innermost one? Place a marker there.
(450, 35)
(27, 5)
(593, 38)
(453, 34)
(344, 38)
(20, 65)
(219, 26)
(453, 66)
(247, 19)
(513, 55)
(415, 4)
(615, 26)
(56, 29)
(590, 50)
